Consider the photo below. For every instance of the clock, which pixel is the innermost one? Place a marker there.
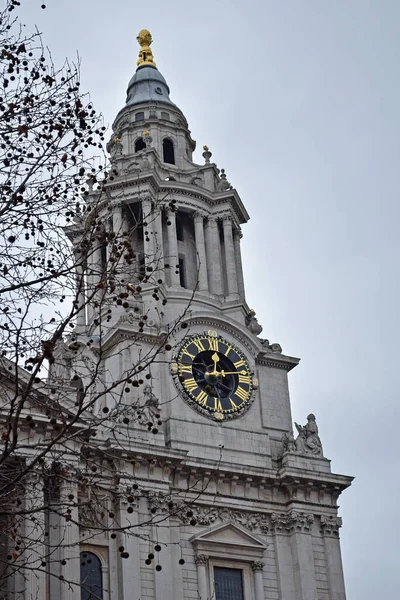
(214, 375)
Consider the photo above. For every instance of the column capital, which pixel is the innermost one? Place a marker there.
(198, 216)
(237, 233)
(292, 521)
(201, 559)
(330, 525)
(117, 203)
(226, 218)
(257, 566)
(171, 211)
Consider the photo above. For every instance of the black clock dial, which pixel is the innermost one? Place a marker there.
(215, 375)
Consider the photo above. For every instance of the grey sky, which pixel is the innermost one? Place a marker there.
(299, 101)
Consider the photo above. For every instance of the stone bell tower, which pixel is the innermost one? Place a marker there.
(164, 279)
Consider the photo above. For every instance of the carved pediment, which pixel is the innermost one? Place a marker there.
(229, 540)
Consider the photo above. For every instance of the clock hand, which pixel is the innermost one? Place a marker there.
(215, 359)
(223, 373)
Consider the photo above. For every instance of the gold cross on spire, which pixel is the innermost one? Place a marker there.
(145, 54)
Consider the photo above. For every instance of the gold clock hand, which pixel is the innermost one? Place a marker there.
(244, 372)
(215, 359)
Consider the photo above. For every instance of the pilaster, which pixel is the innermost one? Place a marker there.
(163, 578)
(330, 531)
(69, 542)
(299, 526)
(130, 567)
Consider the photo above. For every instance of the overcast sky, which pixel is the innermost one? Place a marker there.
(299, 101)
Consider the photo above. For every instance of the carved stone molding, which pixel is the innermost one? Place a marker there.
(330, 525)
(292, 521)
(204, 515)
(257, 566)
(201, 559)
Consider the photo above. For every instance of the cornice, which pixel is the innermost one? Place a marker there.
(277, 361)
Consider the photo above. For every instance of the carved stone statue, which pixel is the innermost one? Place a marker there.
(289, 444)
(150, 410)
(308, 442)
(60, 365)
(252, 323)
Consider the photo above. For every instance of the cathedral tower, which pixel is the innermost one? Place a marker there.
(165, 280)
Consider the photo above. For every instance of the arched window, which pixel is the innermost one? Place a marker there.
(139, 145)
(168, 151)
(91, 577)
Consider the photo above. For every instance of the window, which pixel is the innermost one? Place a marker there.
(165, 115)
(91, 577)
(182, 274)
(168, 151)
(139, 116)
(179, 229)
(228, 583)
(103, 250)
(139, 145)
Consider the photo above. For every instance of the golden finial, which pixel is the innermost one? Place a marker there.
(145, 54)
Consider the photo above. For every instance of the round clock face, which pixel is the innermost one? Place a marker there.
(215, 376)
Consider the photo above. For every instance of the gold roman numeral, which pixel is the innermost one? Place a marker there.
(190, 384)
(242, 393)
(185, 368)
(199, 345)
(217, 404)
(232, 403)
(244, 378)
(202, 398)
(214, 344)
(188, 354)
(240, 363)
(229, 348)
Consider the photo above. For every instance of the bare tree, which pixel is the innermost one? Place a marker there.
(63, 265)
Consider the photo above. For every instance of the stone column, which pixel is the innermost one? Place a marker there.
(173, 257)
(34, 555)
(130, 567)
(213, 253)
(302, 554)
(201, 561)
(94, 273)
(158, 244)
(257, 567)
(237, 235)
(80, 293)
(148, 240)
(201, 252)
(117, 220)
(230, 257)
(330, 531)
(69, 542)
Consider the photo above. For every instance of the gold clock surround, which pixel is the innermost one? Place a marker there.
(214, 376)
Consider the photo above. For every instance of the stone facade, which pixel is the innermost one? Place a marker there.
(210, 492)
